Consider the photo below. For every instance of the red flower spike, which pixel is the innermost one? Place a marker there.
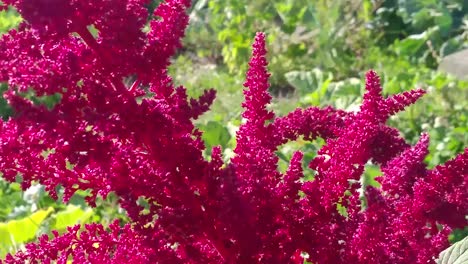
(98, 136)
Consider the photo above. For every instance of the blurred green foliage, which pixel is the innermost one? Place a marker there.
(335, 36)
(9, 19)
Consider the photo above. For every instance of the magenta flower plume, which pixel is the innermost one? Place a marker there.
(405, 170)
(408, 201)
(118, 124)
(343, 158)
(442, 195)
(256, 96)
(255, 160)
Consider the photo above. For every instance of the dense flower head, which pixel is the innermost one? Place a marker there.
(92, 245)
(118, 124)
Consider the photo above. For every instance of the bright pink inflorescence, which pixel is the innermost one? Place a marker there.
(121, 126)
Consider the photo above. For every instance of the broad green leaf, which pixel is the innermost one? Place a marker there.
(5, 239)
(25, 229)
(444, 20)
(410, 45)
(214, 134)
(17, 232)
(300, 80)
(71, 216)
(455, 254)
(309, 81)
(9, 19)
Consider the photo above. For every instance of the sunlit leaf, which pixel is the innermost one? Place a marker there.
(455, 254)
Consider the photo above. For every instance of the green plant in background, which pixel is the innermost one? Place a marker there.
(302, 33)
(334, 36)
(9, 19)
(17, 232)
(422, 30)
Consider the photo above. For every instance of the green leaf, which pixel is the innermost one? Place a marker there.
(309, 81)
(301, 80)
(444, 20)
(214, 134)
(25, 229)
(71, 216)
(5, 239)
(370, 173)
(410, 45)
(455, 254)
(9, 19)
(16, 232)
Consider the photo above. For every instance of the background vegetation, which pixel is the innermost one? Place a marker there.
(319, 51)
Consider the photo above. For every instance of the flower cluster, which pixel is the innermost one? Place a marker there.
(138, 140)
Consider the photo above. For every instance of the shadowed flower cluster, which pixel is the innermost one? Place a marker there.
(121, 126)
